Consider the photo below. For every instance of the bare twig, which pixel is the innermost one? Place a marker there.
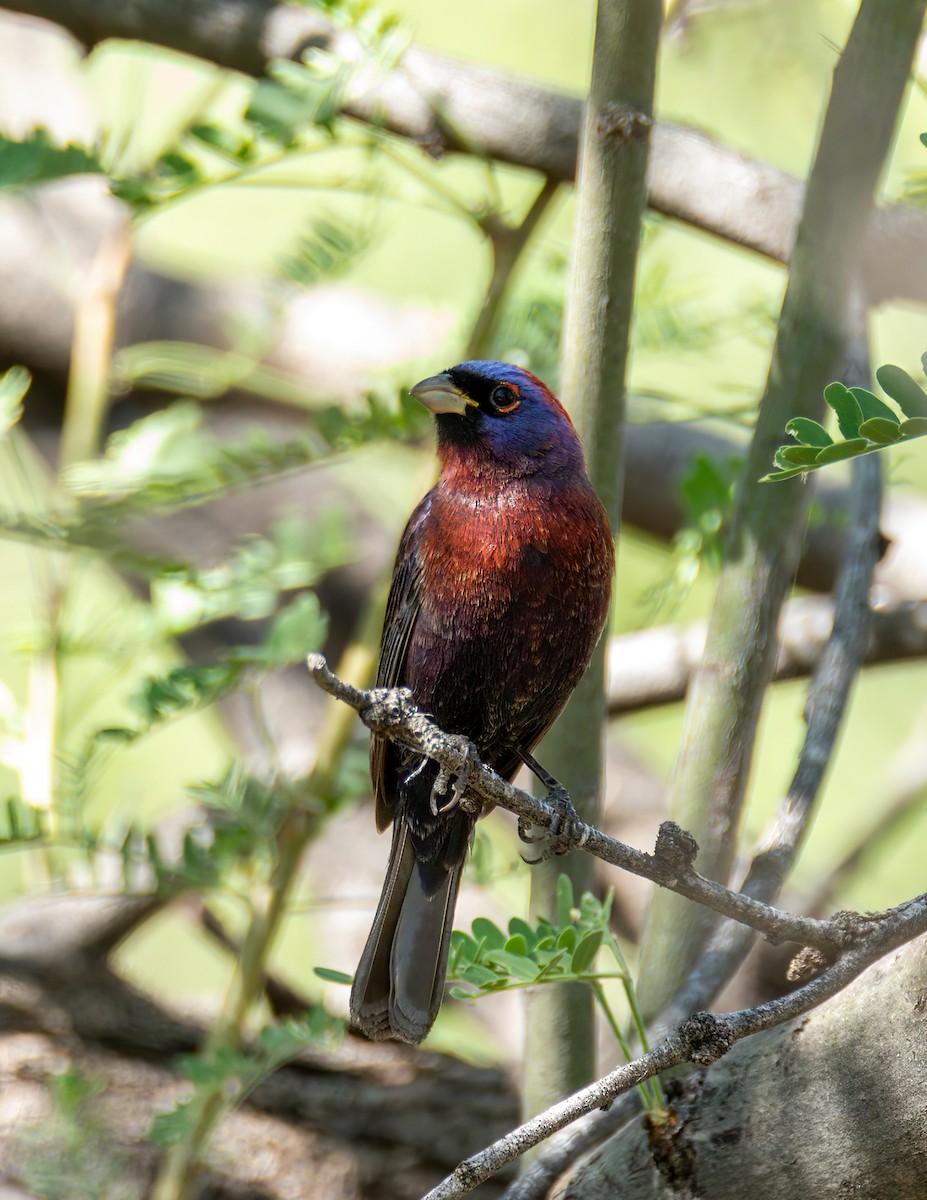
(565, 1147)
(390, 711)
(508, 243)
(701, 1039)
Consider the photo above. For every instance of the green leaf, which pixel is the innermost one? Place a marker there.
(564, 900)
(841, 450)
(518, 926)
(568, 938)
(459, 993)
(283, 1040)
(871, 406)
(297, 629)
(552, 965)
(878, 429)
(36, 159)
(515, 964)
(463, 950)
(808, 432)
(116, 733)
(327, 249)
(796, 456)
(221, 139)
(331, 976)
(846, 406)
(488, 933)
(477, 975)
(901, 387)
(14, 384)
(516, 945)
(168, 1128)
(585, 952)
(915, 427)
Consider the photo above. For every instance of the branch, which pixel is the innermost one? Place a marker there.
(701, 1039)
(762, 547)
(824, 710)
(654, 666)
(445, 104)
(390, 711)
(508, 244)
(838, 666)
(610, 200)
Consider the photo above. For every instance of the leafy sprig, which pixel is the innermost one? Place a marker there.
(866, 423)
(490, 960)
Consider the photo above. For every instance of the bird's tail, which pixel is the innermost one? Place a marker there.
(400, 978)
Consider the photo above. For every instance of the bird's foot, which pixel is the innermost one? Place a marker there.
(561, 835)
(458, 791)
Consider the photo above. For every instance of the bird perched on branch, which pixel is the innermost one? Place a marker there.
(499, 594)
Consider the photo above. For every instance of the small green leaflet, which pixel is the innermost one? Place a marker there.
(332, 976)
(36, 159)
(866, 423)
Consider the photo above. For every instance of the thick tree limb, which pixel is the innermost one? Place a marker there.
(829, 1105)
(446, 104)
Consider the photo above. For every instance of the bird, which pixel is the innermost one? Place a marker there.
(499, 594)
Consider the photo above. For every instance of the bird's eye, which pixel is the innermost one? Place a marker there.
(504, 398)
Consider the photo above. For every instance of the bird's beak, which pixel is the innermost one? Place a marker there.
(440, 395)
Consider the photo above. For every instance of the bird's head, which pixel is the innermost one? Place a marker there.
(502, 417)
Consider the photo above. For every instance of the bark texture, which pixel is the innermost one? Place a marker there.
(833, 1105)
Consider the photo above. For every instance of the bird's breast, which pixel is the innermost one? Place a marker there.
(512, 551)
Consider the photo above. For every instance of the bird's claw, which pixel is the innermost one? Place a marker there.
(458, 792)
(561, 835)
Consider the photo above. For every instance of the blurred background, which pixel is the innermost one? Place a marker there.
(220, 307)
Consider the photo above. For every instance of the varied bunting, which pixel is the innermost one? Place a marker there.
(499, 594)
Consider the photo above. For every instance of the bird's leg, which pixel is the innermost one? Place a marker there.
(439, 788)
(558, 836)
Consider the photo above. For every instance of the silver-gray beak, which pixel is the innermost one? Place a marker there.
(439, 394)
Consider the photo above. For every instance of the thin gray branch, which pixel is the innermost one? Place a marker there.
(563, 1148)
(390, 711)
(825, 706)
(445, 104)
(701, 1039)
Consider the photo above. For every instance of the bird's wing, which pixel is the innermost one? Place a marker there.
(402, 609)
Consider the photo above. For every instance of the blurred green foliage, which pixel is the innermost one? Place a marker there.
(105, 725)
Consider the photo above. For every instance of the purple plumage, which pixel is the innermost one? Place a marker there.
(500, 592)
